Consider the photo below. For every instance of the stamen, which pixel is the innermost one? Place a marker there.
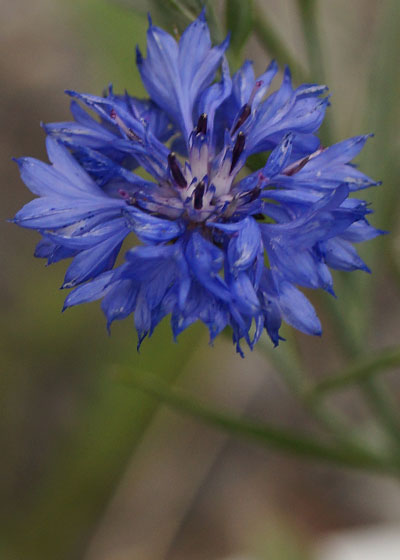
(296, 166)
(259, 216)
(243, 116)
(237, 149)
(128, 131)
(202, 124)
(249, 196)
(254, 194)
(123, 194)
(129, 198)
(256, 87)
(299, 164)
(198, 196)
(246, 109)
(176, 171)
(176, 33)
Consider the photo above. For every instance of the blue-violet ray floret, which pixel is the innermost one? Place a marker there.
(215, 246)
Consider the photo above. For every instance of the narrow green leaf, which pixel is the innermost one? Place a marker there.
(263, 434)
(274, 44)
(358, 372)
(239, 21)
(382, 117)
(385, 409)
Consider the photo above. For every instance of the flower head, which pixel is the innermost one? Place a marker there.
(206, 233)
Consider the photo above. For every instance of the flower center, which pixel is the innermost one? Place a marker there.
(201, 188)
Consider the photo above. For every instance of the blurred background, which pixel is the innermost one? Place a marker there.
(92, 468)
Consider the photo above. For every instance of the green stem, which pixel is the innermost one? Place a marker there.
(358, 372)
(349, 339)
(382, 117)
(263, 434)
(391, 257)
(273, 44)
(289, 365)
(214, 22)
(375, 394)
(380, 402)
(308, 16)
(179, 7)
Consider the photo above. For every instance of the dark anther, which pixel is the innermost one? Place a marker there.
(249, 196)
(128, 131)
(295, 168)
(202, 124)
(258, 216)
(198, 196)
(243, 116)
(131, 135)
(176, 171)
(237, 149)
(254, 194)
(246, 109)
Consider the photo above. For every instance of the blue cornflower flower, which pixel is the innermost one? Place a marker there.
(206, 235)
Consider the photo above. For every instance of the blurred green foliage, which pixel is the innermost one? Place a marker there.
(52, 508)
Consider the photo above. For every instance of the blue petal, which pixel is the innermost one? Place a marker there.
(201, 305)
(45, 180)
(77, 134)
(142, 317)
(329, 168)
(49, 213)
(317, 224)
(300, 111)
(361, 231)
(47, 249)
(242, 84)
(205, 261)
(341, 255)
(81, 241)
(297, 310)
(93, 261)
(279, 157)
(156, 287)
(214, 96)
(244, 294)
(265, 81)
(152, 229)
(120, 301)
(175, 76)
(95, 289)
(67, 165)
(244, 245)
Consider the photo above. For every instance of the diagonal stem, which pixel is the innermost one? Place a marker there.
(273, 44)
(357, 373)
(381, 403)
(308, 16)
(263, 434)
(308, 10)
(180, 7)
(291, 367)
